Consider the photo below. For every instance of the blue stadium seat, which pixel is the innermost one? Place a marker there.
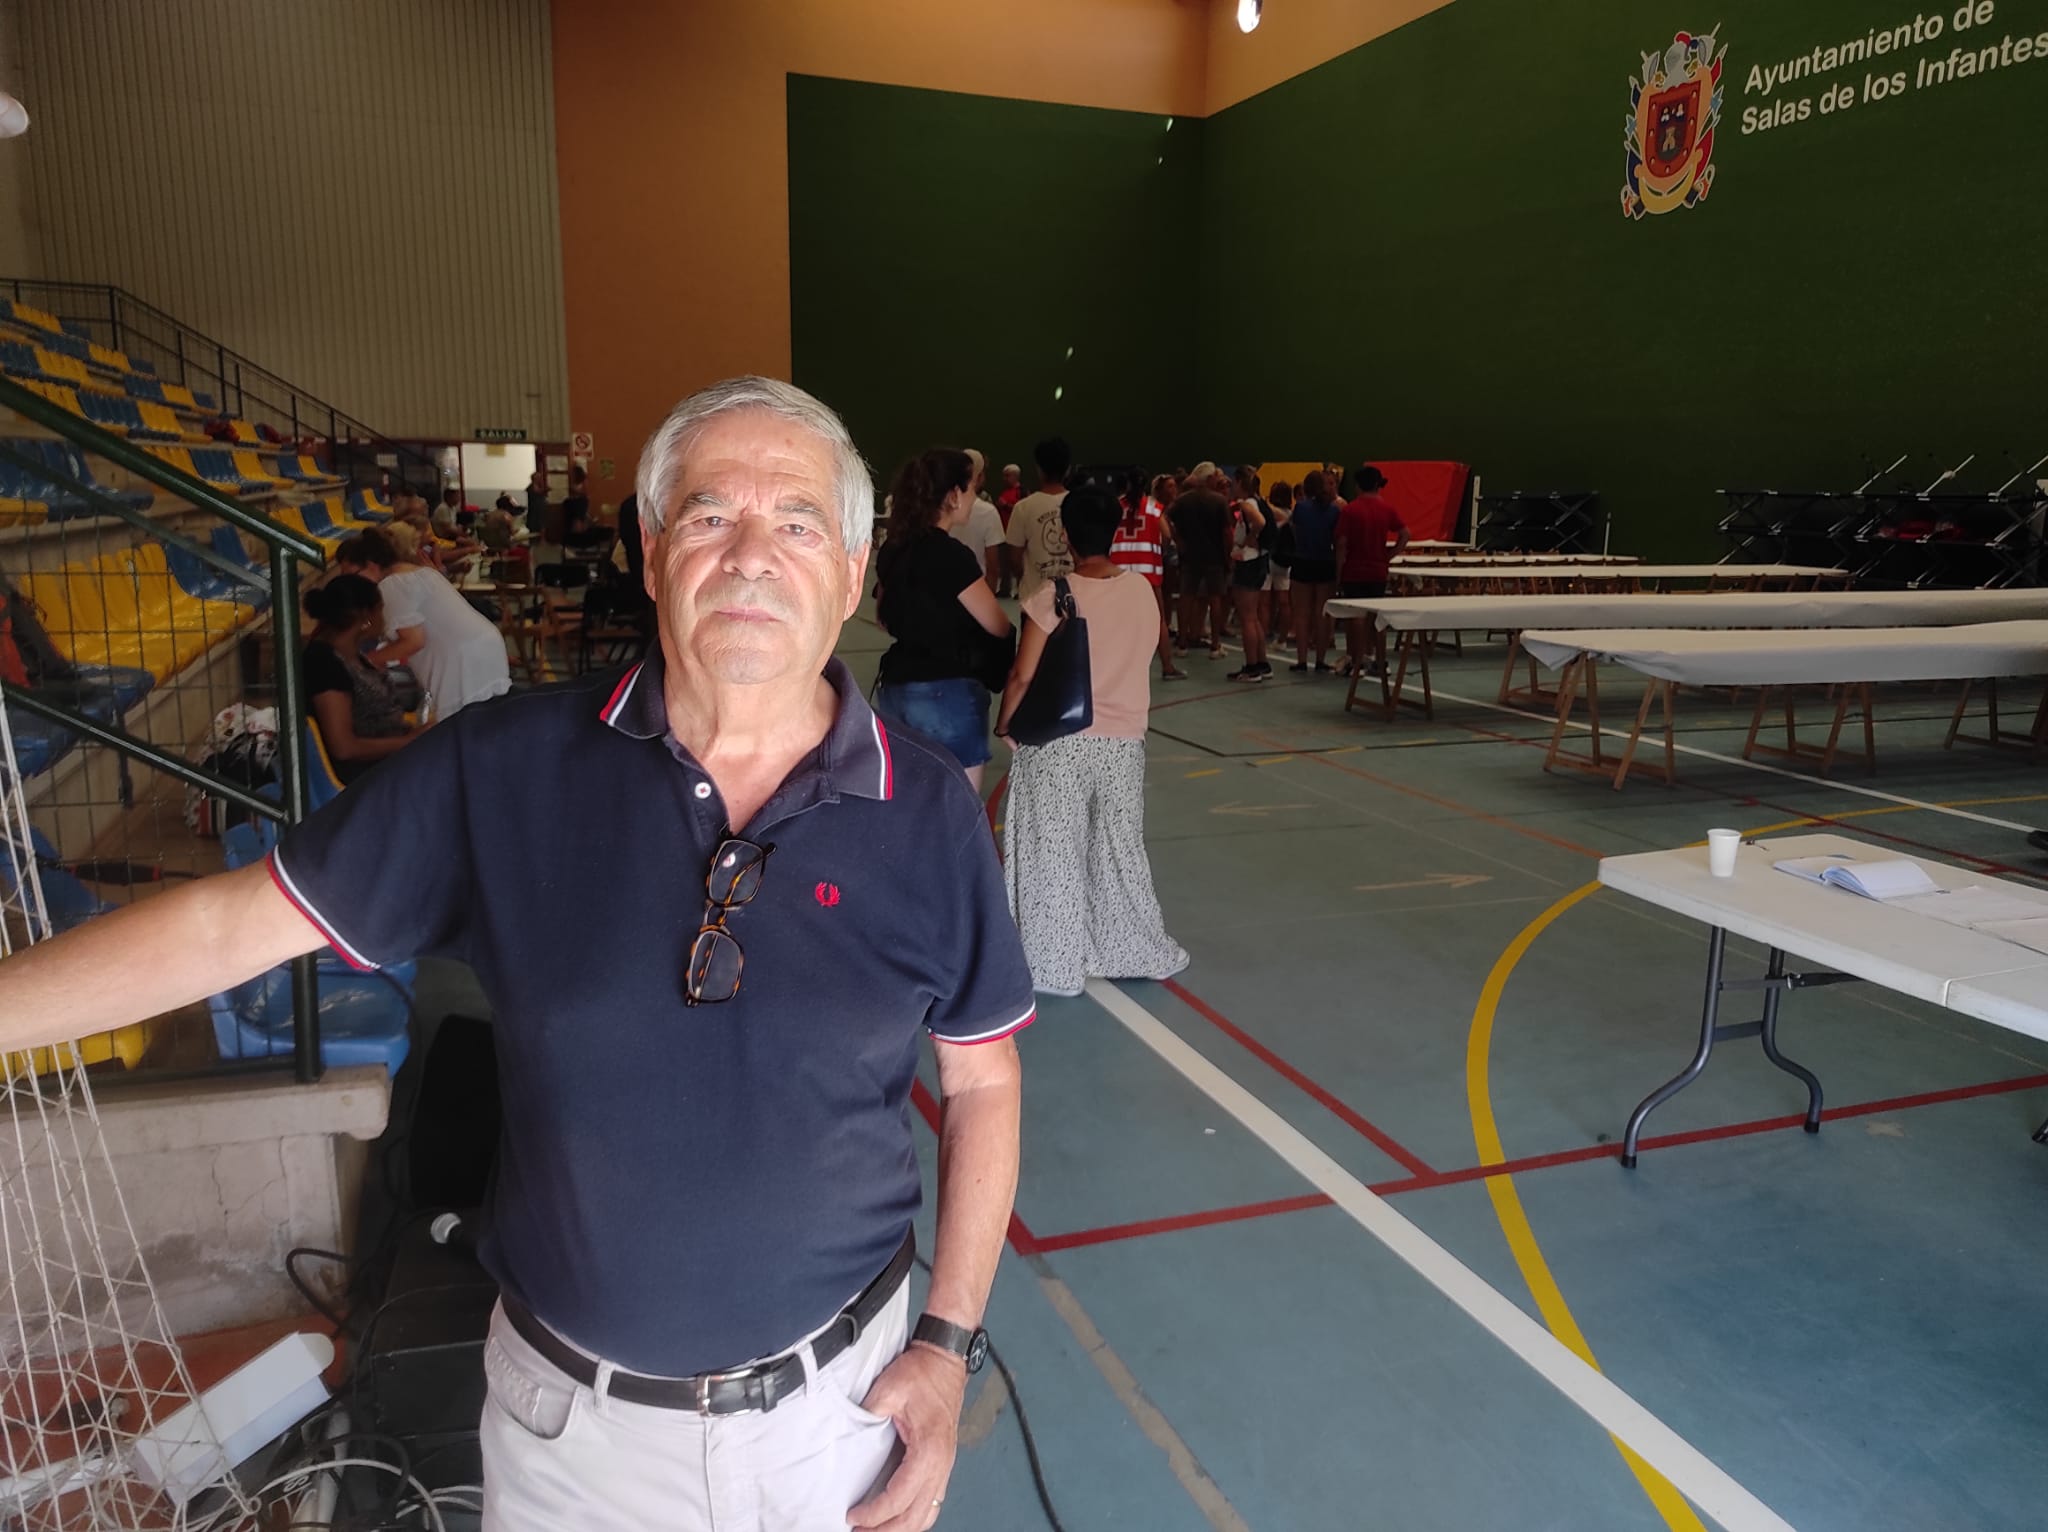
(65, 458)
(364, 1017)
(38, 744)
(198, 578)
(116, 414)
(77, 327)
(138, 364)
(206, 402)
(67, 901)
(19, 358)
(318, 522)
(144, 388)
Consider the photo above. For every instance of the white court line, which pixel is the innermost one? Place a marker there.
(1690, 1471)
(1736, 760)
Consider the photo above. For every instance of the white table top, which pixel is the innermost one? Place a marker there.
(1965, 971)
(1425, 560)
(1762, 657)
(1700, 609)
(1618, 572)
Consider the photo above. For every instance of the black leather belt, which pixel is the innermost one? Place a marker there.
(760, 1387)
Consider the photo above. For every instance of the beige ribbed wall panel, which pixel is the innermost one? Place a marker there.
(358, 194)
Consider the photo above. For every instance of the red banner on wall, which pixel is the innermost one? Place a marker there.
(1429, 496)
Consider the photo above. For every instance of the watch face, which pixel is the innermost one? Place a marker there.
(977, 1350)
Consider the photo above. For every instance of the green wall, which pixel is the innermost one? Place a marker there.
(946, 251)
(1418, 250)
(1441, 267)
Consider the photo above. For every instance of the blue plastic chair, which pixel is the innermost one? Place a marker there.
(68, 901)
(65, 458)
(106, 410)
(144, 388)
(196, 577)
(206, 402)
(318, 522)
(38, 744)
(364, 1018)
(19, 358)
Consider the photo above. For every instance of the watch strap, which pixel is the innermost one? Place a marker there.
(947, 1336)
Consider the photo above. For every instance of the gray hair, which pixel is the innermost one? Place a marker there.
(852, 485)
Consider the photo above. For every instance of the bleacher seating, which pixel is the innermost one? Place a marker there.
(125, 609)
(24, 488)
(198, 578)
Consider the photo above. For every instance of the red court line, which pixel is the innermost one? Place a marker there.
(1112, 1233)
(1122, 1231)
(1413, 1164)
(1022, 1240)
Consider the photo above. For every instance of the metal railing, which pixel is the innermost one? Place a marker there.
(76, 547)
(242, 387)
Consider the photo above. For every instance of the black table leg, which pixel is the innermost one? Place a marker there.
(1774, 983)
(1768, 1033)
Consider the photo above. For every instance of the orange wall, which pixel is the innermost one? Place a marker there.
(1292, 38)
(672, 156)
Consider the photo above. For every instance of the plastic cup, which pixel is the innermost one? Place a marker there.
(1721, 846)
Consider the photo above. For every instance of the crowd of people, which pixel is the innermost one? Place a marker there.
(1155, 568)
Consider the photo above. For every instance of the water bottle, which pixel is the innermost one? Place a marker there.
(426, 709)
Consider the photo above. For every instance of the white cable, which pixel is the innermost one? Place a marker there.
(327, 1465)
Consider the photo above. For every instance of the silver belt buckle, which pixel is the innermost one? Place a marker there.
(705, 1382)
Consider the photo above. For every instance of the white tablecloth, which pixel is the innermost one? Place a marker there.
(1701, 609)
(1752, 657)
(1618, 572)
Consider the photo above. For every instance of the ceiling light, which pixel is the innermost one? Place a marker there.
(13, 117)
(1248, 14)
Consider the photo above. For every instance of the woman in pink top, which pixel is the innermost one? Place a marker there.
(1074, 833)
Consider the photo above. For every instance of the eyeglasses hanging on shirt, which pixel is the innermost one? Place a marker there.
(716, 961)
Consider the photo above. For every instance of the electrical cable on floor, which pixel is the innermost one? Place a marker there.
(1052, 1517)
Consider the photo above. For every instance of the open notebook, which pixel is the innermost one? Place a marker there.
(1904, 885)
(1897, 878)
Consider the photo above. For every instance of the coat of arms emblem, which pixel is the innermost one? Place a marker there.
(1669, 135)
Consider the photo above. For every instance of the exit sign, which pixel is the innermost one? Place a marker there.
(500, 434)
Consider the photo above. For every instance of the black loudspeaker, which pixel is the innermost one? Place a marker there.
(453, 1141)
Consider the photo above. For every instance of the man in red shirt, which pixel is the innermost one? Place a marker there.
(1364, 554)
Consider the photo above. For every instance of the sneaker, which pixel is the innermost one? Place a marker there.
(1323, 669)
(1297, 669)
(1173, 675)
(1249, 673)
(1265, 668)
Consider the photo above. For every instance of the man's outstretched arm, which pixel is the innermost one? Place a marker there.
(152, 957)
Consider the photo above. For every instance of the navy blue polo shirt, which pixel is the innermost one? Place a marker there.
(680, 1189)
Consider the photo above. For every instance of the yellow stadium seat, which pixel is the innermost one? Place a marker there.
(58, 365)
(242, 434)
(293, 517)
(127, 1044)
(179, 458)
(159, 417)
(126, 609)
(23, 314)
(107, 356)
(59, 394)
(23, 513)
(250, 468)
(178, 396)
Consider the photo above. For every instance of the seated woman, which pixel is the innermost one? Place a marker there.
(458, 653)
(1074, 831)
(355, 706)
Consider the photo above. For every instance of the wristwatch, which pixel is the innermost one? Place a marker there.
(971, 1346)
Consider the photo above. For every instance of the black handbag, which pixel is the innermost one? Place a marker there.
(1061, 697)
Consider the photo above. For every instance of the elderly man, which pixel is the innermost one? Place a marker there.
(1201, 526)
(701, 1220)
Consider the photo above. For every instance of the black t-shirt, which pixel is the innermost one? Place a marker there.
(936, 637)
(327, 671)
(1201, 519)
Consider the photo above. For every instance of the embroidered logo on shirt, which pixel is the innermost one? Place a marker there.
(827, 893)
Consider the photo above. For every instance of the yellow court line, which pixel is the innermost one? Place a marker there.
(1514, 1222)
(1507, 1202)
(1213, 771)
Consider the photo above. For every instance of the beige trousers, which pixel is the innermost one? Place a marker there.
(559, 1456)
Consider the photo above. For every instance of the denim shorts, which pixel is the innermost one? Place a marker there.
(955, 713)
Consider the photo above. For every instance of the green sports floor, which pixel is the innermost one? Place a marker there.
(1265, 1275)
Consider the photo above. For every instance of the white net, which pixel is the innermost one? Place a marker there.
(90, 1375)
